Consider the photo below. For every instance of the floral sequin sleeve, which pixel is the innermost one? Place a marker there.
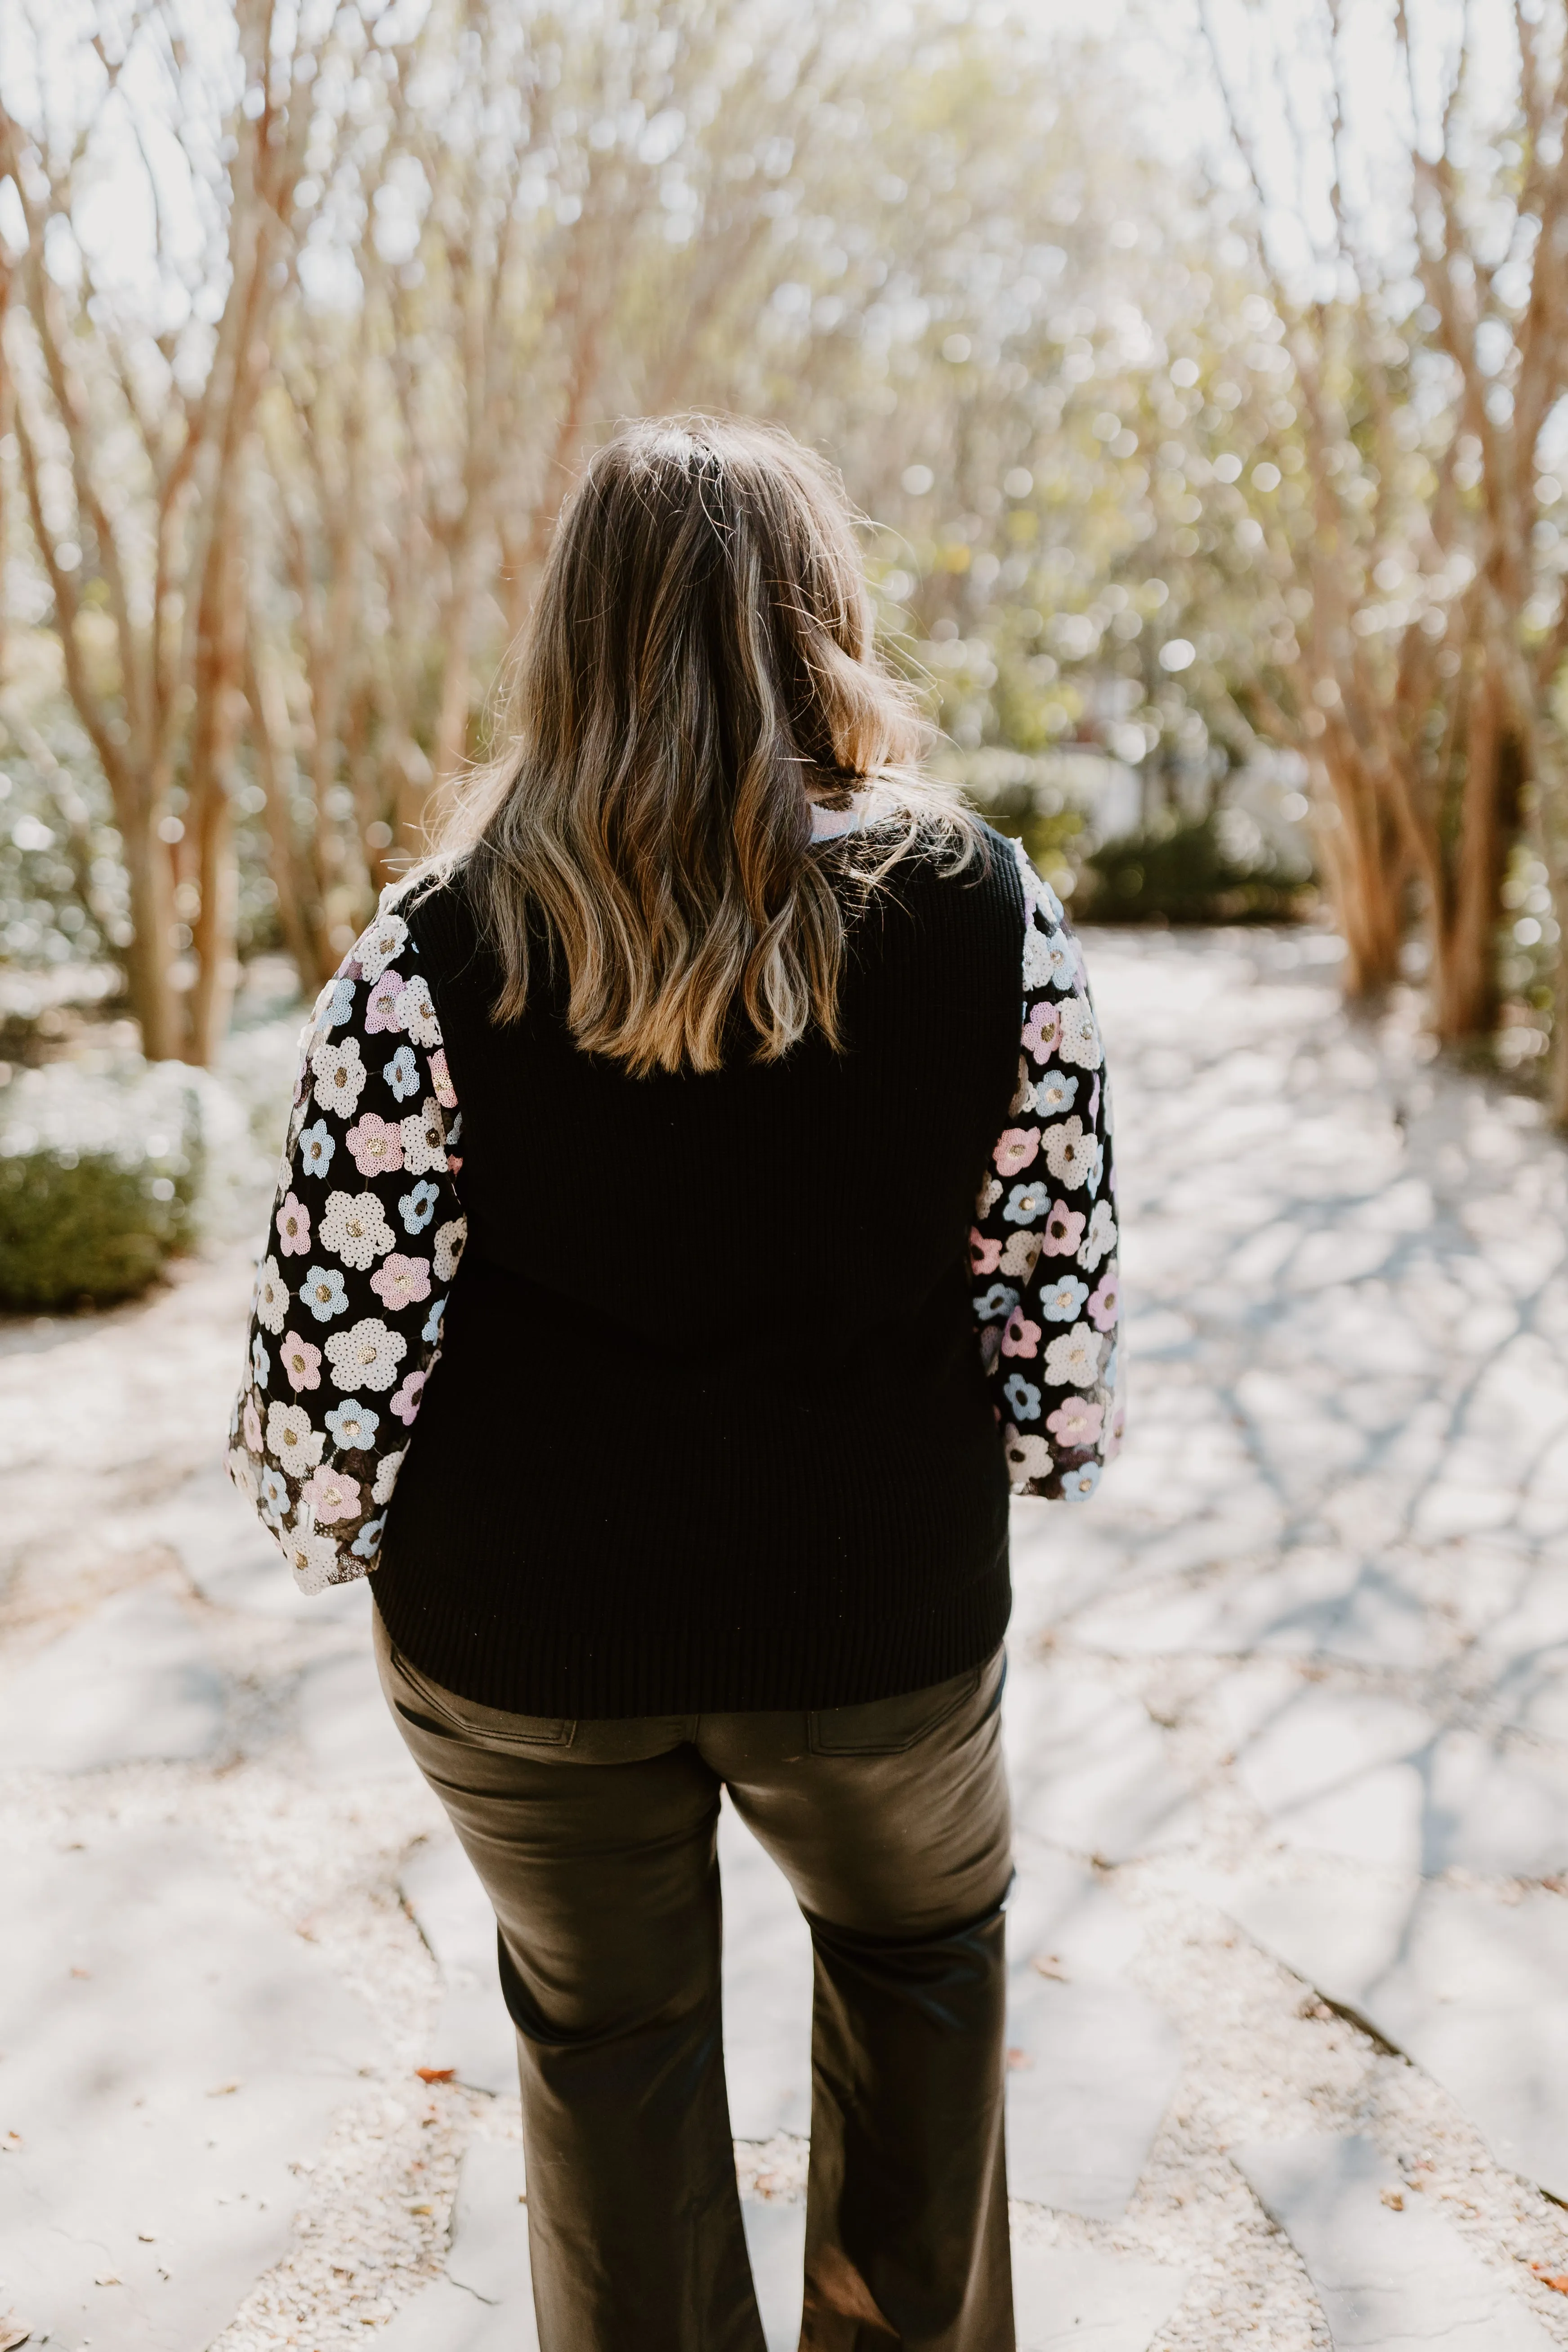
(365, 1237)
(1043, 1249)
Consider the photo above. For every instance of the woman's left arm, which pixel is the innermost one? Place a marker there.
(366, 1234)
(1043, 1247)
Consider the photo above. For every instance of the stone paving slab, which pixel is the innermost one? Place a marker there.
(1378, 1778)
(1390, 2278)
(345, 1725)
(473, 2031)
(1090, 2073)
(170, 2051)
(1065, 1919)
(1314, 1603)
(136, 1682)
(1070, 2299)
(1089, 1769)
(1474, 1990)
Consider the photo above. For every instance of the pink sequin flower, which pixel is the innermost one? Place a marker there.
(293, 1227)
(1021, 1337)
(1042, 1029)
(401, 1281)
(441, 1079)
(1015, 1147)
(380, 1011)
(1076, 1421)
(377, 1144)
(405, 1404)
(985, 1256)
(331, 1495)
(1064, 1231)
(302, 1362)
(1106, 1300)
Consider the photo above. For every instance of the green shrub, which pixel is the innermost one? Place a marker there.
(1187, 874)
(97, 1187)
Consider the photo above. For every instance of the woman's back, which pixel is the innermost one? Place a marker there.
(712, 1429)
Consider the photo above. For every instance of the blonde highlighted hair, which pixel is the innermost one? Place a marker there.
(699, 666)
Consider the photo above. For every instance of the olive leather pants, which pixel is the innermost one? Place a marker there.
(596, 1843)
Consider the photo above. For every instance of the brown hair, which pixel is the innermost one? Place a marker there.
(700, 655)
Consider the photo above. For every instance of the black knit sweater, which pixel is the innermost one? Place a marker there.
(720, 1407)
(710, 1427)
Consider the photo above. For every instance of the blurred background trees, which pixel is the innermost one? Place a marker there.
(1215, 480)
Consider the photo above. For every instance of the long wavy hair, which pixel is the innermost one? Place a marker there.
(700, 666)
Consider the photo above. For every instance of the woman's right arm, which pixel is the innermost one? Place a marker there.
(366, 1232)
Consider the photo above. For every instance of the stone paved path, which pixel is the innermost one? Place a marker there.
(1288, 1715)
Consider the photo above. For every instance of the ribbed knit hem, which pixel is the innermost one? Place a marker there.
(690, 1666)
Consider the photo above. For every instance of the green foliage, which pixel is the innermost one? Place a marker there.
(95, 1192)
(1187, 873)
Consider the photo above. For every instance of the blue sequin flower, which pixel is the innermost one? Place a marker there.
(322, 1291)
(1025, 1202)
(259, 1367)
(1060, 1300)
(1024, 1397)
(401, 1073)
(369, 1538)
(418, 1207)
(993, 1306)
(352, 1424)
(432, 1330)
(316, 1146)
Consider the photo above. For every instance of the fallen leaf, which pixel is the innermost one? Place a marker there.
(1045, 1964)
(108, 2278)
(1557, 2280)
(422, 2209)
(81, 1972)
(1019, 2059)
(146, 2237)
(12, 2333)
(11, 2143)
(435, 2074)
(222, 2090)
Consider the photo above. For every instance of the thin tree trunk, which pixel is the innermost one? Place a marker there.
(147, 958)
(1466, 980)
(298, 909)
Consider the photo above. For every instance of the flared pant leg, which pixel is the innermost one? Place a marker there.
(596, 1845)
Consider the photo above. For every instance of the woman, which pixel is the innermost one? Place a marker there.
(702, 1032)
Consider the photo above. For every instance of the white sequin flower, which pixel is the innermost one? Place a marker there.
(423, 1138)
(1038, 894)
(1070, 1152)
(271, 1297)
(366, 1355)
(1073, 1359)
(449, 1243)
(386, 1477)
(339, 1072)
(354, 1225)
(1079, 1037)
(1027, 1457)
(380, 945)
(312, 1556)
(291, 1440)
(416, 1013)
(1100, 1237)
